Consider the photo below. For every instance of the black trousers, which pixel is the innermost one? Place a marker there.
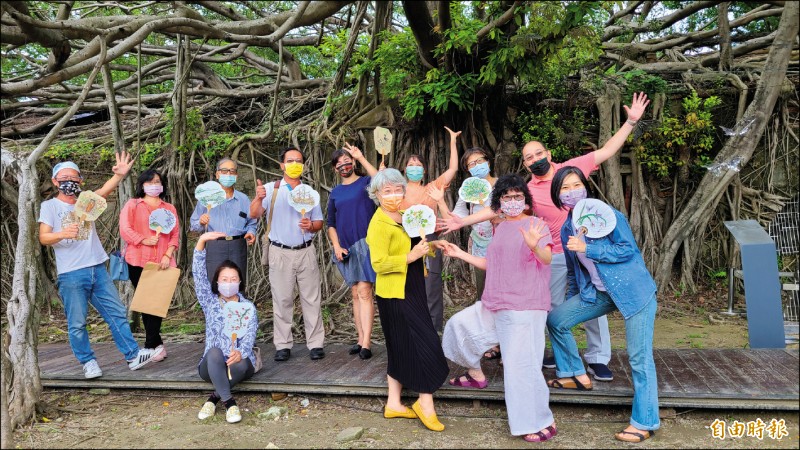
(434, 287)
(220, 250)
(152, 324)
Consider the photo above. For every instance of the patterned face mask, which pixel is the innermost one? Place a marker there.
(345, 170)
(512, 208)
(68, 187)
(571, 198)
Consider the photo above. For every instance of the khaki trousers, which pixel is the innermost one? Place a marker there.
(287, 269)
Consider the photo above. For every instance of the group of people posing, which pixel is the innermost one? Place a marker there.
(534, 272)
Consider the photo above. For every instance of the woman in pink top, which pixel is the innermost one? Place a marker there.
(143, 245)
(512, 312)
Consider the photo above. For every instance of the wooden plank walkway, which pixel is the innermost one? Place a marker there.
(687, 378)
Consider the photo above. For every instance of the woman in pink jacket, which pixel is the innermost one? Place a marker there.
(144, 245)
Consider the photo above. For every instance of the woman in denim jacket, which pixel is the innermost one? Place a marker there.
(605, 274)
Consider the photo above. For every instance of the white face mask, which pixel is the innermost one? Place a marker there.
(228, 289)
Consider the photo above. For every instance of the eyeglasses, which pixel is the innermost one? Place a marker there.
(539, 154)
(476, 162)
(289, 161)
(515, 197)
(227, 171)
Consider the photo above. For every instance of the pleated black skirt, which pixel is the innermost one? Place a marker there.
(413, 348)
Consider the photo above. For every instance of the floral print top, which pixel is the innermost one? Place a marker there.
(212, 306)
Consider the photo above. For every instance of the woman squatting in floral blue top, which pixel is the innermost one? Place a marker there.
(221, 356)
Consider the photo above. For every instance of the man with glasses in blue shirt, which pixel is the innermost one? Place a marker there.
(232, 218)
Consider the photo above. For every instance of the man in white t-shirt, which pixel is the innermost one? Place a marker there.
(82, 274)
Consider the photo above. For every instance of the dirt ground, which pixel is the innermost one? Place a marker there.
(168, 419)
(163, 419)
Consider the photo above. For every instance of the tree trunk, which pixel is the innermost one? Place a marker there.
(741, 146)
(6, 436)
(22, 311)
(608, 116)
(644, 218)
(126, 188)
(725, 51)
(24, 384)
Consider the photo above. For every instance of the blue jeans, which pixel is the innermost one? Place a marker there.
(598, 339)
(639, 337)
(93, 285)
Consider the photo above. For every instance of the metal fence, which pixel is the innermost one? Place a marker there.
(785, 231)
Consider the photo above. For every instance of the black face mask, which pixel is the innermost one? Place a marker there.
(345, 170)
(71, 188)
(540, 167)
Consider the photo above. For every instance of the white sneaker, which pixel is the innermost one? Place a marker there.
(92, 370)
(207, 411)
(144, 356)
(159, 357)
(232, 415)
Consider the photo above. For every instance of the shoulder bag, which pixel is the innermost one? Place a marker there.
(265, 243)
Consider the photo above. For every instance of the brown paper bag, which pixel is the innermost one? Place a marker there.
(155, 290)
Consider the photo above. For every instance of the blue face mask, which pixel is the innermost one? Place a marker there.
(414, 173)
(227, 180)
(480, 170)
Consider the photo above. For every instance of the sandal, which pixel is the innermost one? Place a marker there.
(542, 435)
(492, 353)
(637, 437)
(569, 383)
(469, 383)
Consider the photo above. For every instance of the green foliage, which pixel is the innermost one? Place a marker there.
(581, 47)
(638, 80)
(63, 151)
(708, 17)
(148, 154)
(399, 62)
(196, 139)
(439, 91)
(693, 130)
(563, 135)
(331, 53)
(548, 41)
(556, 41)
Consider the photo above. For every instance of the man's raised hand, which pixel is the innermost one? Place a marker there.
(638, 105)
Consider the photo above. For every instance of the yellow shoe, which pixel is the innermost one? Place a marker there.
(389, 413)
(431, 422)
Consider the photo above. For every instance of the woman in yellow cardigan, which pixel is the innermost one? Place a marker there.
(416, 359)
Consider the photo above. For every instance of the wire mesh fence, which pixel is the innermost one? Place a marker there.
(785, 231)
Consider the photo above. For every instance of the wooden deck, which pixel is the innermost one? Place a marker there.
(687, 378)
